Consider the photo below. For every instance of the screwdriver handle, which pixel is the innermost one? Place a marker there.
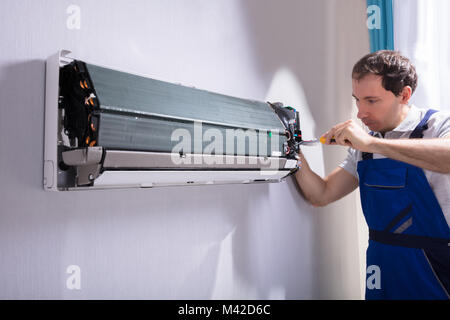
(323, 140)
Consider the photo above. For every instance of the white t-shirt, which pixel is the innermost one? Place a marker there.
(438, 127)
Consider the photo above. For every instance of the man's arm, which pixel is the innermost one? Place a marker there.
(320, 192)
(430, 154)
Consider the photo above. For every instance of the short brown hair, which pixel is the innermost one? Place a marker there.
(396, 70)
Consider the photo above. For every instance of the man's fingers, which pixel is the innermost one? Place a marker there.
(329, 135)
(340, 136)
(339, 132)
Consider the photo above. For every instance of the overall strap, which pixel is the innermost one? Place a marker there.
(368, 155)
(416, 134)
(409, 240)
(422, 126)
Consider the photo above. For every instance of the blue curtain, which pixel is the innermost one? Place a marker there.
(382, 36)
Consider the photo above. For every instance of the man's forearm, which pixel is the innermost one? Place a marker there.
(430, 154)
(311, 184)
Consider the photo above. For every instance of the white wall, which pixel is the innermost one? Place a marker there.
(198, 242)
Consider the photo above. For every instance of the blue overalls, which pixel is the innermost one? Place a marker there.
(409, 238)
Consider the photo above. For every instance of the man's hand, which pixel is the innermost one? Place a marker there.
(349, 133)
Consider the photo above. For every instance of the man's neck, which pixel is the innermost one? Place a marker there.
(403, 113)
(404, 110)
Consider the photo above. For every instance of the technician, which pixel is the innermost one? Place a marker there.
(402, 168)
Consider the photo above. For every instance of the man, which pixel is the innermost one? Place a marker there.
(402, 168)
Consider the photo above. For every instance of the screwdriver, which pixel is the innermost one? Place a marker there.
(314, 141)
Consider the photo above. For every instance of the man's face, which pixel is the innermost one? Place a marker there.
(379, 109)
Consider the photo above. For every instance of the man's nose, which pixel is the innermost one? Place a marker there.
(362, 112)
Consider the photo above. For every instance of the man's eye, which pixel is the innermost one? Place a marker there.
(372, 101)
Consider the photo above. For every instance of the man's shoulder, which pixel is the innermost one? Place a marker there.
(439, 122)
(438, 114)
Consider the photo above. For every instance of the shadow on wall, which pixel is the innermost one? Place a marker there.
(24, 216)
(22, 92)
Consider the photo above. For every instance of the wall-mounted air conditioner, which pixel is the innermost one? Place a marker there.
(111, 129)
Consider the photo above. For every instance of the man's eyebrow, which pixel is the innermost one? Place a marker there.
(365, 98)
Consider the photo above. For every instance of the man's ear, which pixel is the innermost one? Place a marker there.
(406, 94)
